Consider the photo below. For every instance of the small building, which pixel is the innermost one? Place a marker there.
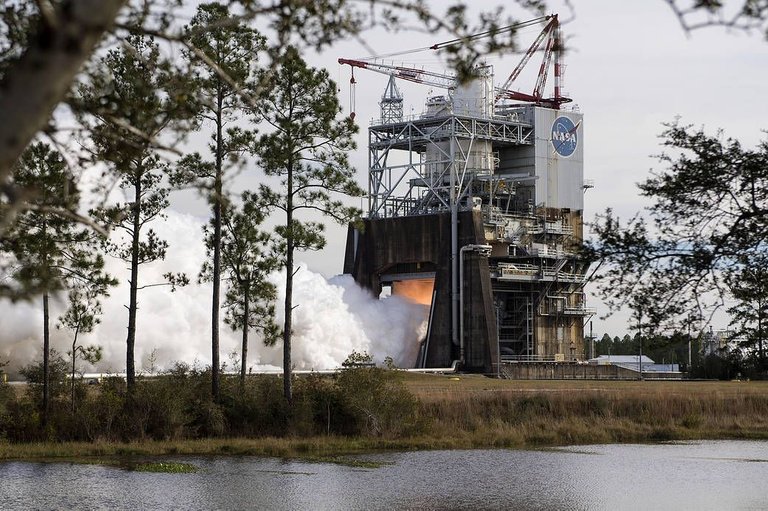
(631, 362)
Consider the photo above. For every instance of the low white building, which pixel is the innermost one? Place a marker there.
(631, 362)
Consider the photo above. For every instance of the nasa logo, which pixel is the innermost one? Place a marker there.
(564, 139)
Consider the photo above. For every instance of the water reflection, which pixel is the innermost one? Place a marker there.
(703, 475)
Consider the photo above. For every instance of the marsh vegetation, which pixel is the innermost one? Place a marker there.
(371, 409)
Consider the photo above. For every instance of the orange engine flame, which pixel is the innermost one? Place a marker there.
(417, 290)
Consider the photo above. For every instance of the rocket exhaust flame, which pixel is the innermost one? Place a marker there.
(416, 290)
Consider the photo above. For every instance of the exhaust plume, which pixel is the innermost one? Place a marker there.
(333, 317)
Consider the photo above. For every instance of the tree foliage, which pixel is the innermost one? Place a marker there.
(306, 149)
(135, 96)
(46, 249)
(706, 226)
(748, 15)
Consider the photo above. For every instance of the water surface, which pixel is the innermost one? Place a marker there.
(697, 475)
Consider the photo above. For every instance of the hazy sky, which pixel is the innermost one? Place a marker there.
(630, 68)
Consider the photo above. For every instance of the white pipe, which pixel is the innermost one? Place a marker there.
(454, 367)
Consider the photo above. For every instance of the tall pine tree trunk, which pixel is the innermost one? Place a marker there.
(760, 352)
(246, 315)
(46, 338)
(217, 191)
(287, 383)
(130, 368)
(46, 359)
(74, 358)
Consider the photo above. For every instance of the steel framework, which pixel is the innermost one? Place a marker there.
(417, 185)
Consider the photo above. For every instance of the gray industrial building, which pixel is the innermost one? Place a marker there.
(475, 209)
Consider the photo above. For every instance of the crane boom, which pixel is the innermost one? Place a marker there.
(541, 80)
(549, 38)
(410, 74)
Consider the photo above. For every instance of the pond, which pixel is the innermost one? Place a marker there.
(691, 475)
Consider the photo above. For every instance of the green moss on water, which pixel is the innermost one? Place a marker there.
(345, 461)
(165, 467)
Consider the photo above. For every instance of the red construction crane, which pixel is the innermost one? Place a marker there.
(553, 47)
(549, 38)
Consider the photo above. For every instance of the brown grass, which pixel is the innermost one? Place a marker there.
(513, 413)
(476, 412)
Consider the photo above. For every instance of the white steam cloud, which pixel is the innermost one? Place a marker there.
(332, 318)
(335, 317)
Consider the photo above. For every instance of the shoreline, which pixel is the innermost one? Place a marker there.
(328, 449)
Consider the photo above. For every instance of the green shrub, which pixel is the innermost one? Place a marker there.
(377, 402)
(329, 413)
(19, 423)
(6, 396)
(256, 409)
(361, 400)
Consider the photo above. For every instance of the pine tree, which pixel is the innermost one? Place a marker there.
(52, 252)
(707, 225)
(249, 300)
(232, 47)
(81, 317)
(140, 97)
(750, 312)
(306, 149)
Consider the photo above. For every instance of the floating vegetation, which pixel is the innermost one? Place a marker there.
(165, 467)
(346, 461)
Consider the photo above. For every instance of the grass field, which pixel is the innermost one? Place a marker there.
(468, 411)
(435, 386)
(522, 413)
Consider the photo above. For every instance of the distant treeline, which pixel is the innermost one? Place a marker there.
(726, 364)
(661, 349)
